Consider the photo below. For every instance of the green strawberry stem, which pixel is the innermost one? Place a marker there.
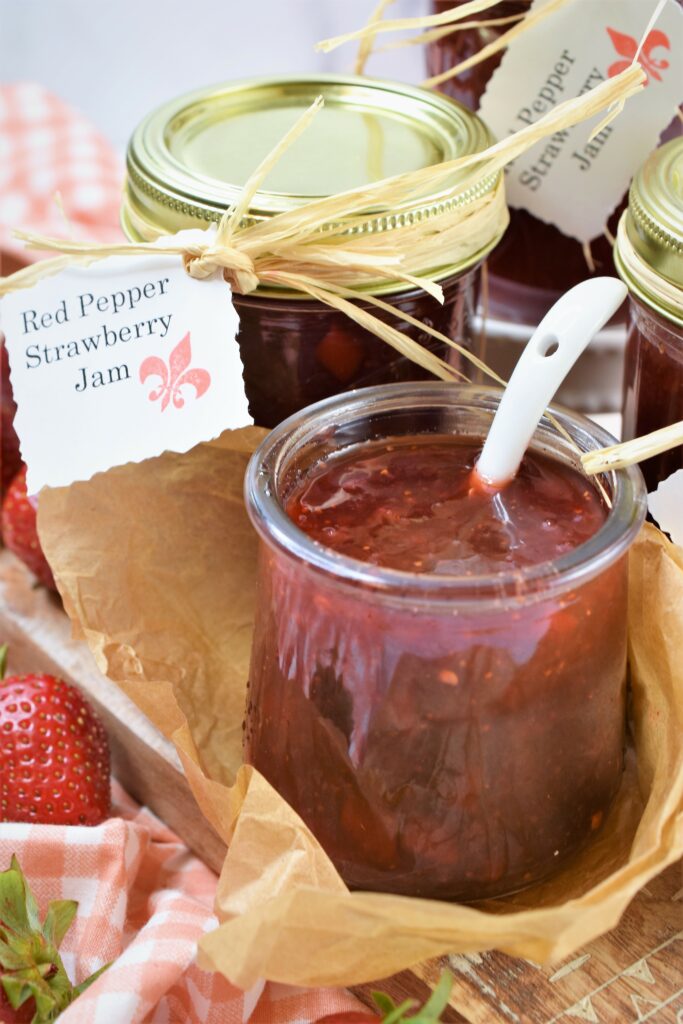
(430, 1013)
(30, 964)
(3, 660)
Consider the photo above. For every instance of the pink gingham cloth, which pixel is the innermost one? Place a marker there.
(49, 149)
(144, 901)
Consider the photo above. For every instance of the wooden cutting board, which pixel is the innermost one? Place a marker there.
(632, 975)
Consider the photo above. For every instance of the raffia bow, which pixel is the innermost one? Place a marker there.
(238, 269)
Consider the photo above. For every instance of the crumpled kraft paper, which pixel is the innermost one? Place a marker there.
(156, 562)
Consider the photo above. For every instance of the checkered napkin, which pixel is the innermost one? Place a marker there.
(143, 903)
(48, 150)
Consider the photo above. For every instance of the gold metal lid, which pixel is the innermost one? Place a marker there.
(188, 160)
(654, 228)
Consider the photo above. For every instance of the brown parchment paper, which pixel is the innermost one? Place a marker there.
(156, 566)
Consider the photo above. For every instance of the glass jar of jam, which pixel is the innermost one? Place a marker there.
(649, 258)
(437, 681)
(443, 54)
(535, 262)
(188, 161)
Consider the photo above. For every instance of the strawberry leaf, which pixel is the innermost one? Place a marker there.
(10, 959)
(383, 1002)
(46, 1004)
(438, 1001)
(32, 915)
(60, 914)
(13, 915)
(89, 981)
(430, 1013)
(398, 1014)
(30, 965)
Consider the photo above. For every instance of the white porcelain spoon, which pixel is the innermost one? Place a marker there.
(556, 344)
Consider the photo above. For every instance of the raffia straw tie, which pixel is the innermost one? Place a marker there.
(201, 261)
(534, 17)
(438, 25)
(448, 22)
(237, 267)
(428, 21)
(628, 453)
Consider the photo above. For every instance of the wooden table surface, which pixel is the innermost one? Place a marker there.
(631, 975)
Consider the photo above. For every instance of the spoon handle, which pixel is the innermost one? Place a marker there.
(556, 344)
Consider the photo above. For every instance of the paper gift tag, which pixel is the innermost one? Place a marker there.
(118, 362)
(568, 180)
(666, 506)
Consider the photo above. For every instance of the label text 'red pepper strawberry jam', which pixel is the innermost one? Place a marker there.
(438, 673)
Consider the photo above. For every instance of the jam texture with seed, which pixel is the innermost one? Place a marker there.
(298, 351)
(450, 747)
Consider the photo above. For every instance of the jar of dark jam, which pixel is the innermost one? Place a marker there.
(535, 262)
(438, 673)
(188, 161)
(649, 257)
(443, 54)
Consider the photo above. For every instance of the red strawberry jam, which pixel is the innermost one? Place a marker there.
(456, 742)
(415, 505)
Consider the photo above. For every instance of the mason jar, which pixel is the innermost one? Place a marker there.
(649, 258)
(188, 161)
(455, 47)
(447, 736)
(535, 262)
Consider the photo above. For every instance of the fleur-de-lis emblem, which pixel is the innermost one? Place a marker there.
(175, 375)
(627, 46)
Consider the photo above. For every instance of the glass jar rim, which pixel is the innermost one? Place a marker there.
(573, 568)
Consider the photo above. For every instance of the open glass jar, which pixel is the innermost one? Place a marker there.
(413, 784)
(649, 258)
(187, 164)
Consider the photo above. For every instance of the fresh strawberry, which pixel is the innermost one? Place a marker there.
(22, 1015)
(430, 1013)
(20, 532)
(54, 755)
(33, 983)
(10, 459)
